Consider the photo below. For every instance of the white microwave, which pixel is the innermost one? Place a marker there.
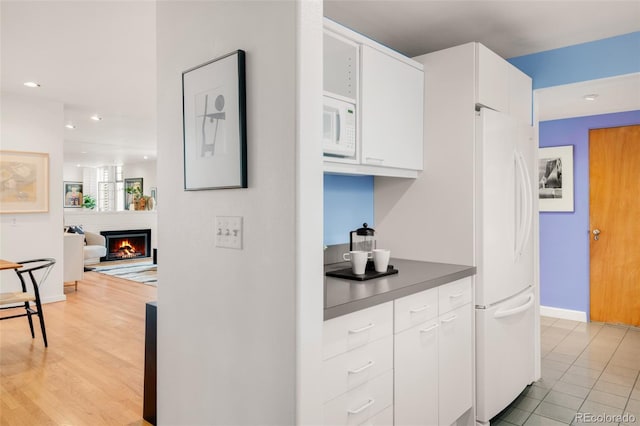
(339, 128)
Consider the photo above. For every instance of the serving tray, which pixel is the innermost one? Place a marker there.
(369, 273)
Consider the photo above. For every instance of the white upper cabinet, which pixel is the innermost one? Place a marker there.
(387, 91)
(340, 68)
(392, 111)
(492, 90)
(501, 86)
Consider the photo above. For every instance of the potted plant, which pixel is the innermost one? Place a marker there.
(88, 202)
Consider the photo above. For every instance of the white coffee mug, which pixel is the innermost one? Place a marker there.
(358, 260)
(381, 259)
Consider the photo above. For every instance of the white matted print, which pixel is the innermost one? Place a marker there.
(555, 179)
(214, 120)
(24, 182)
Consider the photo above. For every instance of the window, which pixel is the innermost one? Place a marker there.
(110, 188)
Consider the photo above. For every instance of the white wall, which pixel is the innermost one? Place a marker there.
(36, 126)
(431, 218)
(228, 319)
(71, 172)
(144, 169)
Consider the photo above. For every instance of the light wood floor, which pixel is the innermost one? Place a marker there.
(92, 372)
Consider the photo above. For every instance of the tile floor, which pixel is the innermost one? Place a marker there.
(587, 369)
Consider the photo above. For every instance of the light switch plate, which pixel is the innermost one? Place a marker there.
(229, 232)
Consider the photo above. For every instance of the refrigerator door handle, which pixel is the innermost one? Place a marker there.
(525, 213)
(516, 310)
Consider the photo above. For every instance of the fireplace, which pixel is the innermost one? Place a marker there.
(127, 244)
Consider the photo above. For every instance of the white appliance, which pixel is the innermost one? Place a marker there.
(338, 128)
(504, 244)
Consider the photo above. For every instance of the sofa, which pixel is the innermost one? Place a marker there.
(94, 248)
(94, 244)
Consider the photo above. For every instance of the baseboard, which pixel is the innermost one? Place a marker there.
(567, 314)
(52, 299)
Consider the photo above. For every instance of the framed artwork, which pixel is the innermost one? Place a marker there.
(73, 195)
(215, 124)
(24, 182)
(132, 191)
(555, 179)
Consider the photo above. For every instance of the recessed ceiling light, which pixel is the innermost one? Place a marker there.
(591, 97)
(31, 84)
(77, 165)
(83, 152)
(146, 157)
(96, 117)
(69, 126)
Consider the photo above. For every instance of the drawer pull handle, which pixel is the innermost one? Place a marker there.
(360, 330)
(416, 310)
(455, 296)
(364, 407)
(428, 329)
(449, 319)
(361, 369)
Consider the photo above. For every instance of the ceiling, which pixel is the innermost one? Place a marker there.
(96, 57)
(99, 57)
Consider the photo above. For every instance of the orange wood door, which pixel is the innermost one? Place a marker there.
(614, 198)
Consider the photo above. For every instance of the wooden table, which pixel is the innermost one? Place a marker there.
(5, 264)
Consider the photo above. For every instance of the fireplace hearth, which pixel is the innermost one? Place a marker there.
(127, 244)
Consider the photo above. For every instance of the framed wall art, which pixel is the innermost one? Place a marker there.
(555, 179)
(73, 195)
(24, 182)
(215, 124)
(133, 190)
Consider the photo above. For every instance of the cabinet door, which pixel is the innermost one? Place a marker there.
(391, 111)
(492, 87)
(416, 375)
(340, 66)
(520, 95)
(455, 356)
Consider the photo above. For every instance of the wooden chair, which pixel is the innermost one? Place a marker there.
(16, 299)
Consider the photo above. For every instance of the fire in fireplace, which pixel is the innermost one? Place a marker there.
(127, 244)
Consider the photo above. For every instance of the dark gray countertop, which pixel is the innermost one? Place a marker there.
(343, 296)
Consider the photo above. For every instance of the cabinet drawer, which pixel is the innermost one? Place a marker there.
(351, 369)
(356, 329)
(454, 295)
(361, 403)
(415, 309)
(384, 418)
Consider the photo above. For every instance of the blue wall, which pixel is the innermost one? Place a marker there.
(582, 62)
(564, 237)
(348, 203)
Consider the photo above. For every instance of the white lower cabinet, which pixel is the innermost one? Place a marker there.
(416, 375)
(433, 360)
(405, 363)
(360, 404)
(455, 361)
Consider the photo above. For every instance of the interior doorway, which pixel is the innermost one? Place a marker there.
(614, 215)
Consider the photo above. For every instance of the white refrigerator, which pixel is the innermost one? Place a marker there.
(506, 309)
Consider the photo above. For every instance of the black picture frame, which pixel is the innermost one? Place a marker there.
(215, 124)
(73, 195)
(131, 183)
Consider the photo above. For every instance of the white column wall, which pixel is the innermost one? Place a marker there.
(228, 319)
(33, 125)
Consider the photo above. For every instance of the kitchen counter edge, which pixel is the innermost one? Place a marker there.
(401, 289)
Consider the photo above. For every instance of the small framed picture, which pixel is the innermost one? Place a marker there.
(24, 182)
(215, 124)
(133, 190)
(555, 179)
(73, 197)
